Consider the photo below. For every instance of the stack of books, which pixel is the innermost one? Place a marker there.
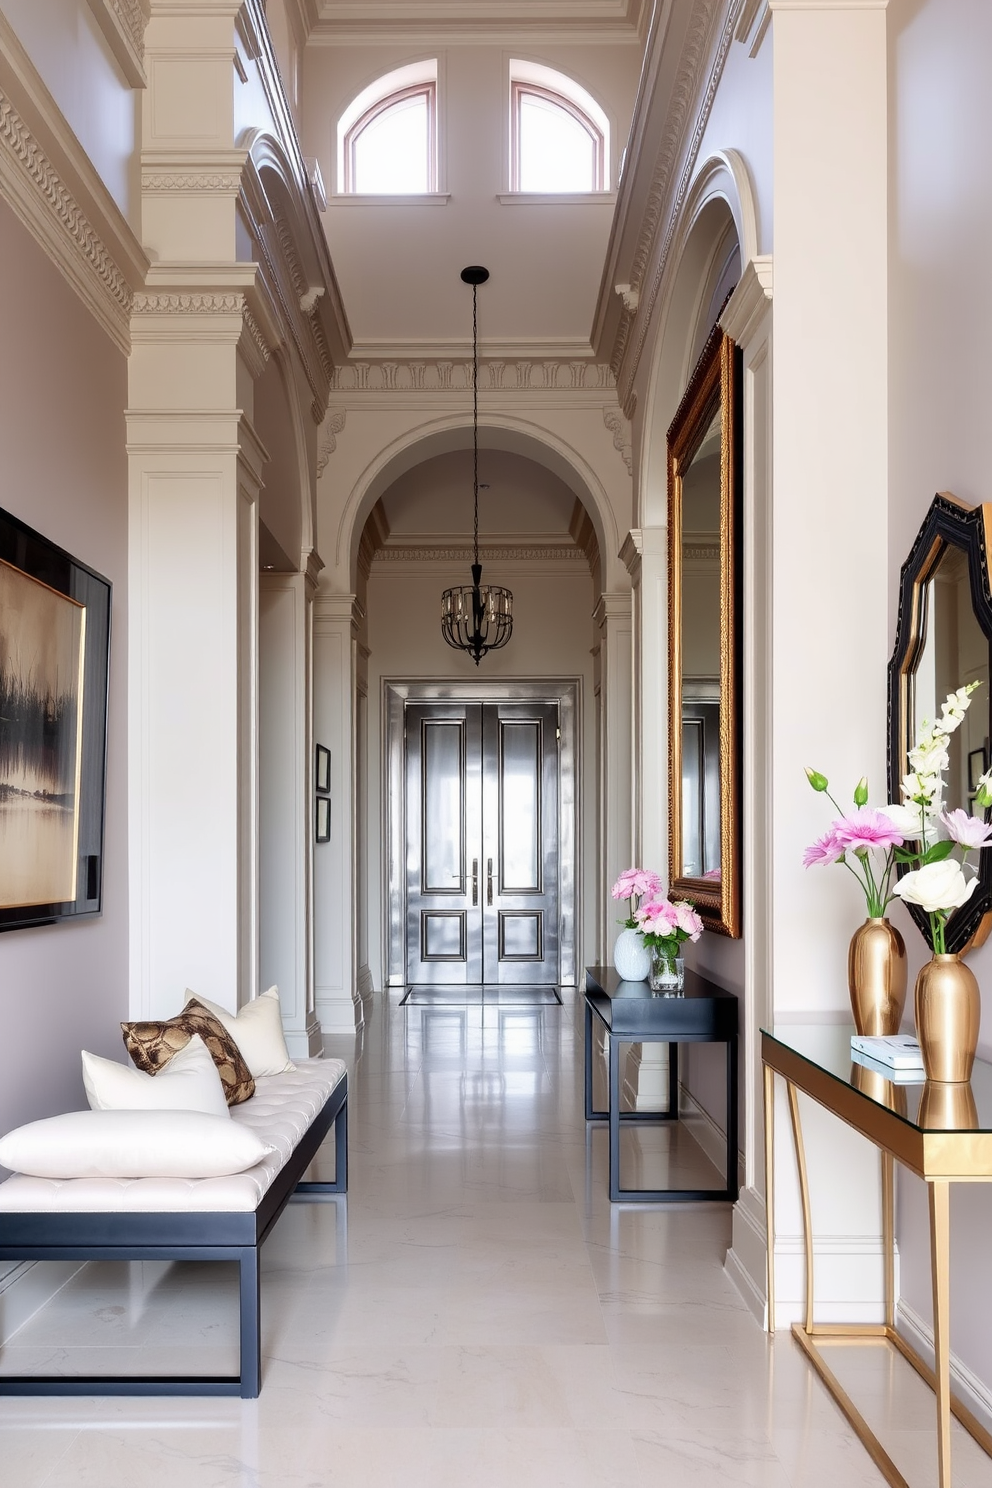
(897, 1056)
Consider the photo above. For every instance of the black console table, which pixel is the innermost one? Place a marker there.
(702, 1013)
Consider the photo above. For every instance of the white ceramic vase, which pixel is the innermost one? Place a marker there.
(631, 956)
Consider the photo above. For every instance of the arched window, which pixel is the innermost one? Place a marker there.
(559, 135)
(387, 136)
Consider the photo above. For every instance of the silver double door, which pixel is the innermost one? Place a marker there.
(482, 882)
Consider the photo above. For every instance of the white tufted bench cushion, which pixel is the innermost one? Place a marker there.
(280, 1111)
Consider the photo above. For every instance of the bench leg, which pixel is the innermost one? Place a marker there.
(249, 1273)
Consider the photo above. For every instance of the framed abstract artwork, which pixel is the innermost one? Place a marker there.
(54, 670)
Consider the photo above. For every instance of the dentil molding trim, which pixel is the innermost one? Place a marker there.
(440, 376)
(529, 553)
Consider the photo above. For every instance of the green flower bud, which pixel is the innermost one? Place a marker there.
(817, 781)
(861, 792)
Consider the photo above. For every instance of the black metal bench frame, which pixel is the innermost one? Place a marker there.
(178, 1236)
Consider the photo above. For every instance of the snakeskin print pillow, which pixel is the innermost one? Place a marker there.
(152, 1045)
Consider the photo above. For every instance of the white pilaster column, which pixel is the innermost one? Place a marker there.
(337, 995)
(830, 605)
(286, 797)
(192, 677)
(615, 683)
(646, 555)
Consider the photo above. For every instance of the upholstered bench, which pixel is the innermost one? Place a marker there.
(185, 1219)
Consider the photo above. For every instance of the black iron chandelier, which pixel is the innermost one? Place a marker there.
(476, 617)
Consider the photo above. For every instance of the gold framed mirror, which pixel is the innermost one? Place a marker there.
(944, 640)
(703, 640)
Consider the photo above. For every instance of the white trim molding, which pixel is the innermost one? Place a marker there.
(123, 23)
(52, 187)
(749, 301)
(972, 1391)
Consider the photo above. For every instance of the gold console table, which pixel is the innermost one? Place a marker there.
(941, 1133)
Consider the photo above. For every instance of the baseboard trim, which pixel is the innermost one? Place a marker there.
(971, 1391)
(710, 1136)
(746, 1262)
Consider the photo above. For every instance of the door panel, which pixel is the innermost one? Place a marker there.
(482, 843)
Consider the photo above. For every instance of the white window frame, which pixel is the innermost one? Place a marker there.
(537, 80)
(402, 83)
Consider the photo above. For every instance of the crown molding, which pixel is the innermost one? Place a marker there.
(476, 22)
(57, 194)
(214, 173)
(123, 24)
(457, 349)
(432, 376)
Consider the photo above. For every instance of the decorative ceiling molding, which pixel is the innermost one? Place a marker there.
(620, 429)
(123, 24)
(699, 71)
(209, 303)
(329, 431)
(421, 551)
(445, 376)
(46, 206)
(479, 22)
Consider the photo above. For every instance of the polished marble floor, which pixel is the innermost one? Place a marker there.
(474, 1315)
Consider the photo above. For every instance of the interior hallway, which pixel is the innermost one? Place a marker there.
(479, 1318)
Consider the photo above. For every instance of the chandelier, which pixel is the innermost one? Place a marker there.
(476, 617)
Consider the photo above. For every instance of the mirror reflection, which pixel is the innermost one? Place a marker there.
(700, 640)
(954, 651)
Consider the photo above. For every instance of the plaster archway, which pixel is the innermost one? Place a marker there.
(501, 431)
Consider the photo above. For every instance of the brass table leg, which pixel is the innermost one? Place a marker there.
(769, 1074)
(940, 1228)
(889, 1237)
(797, 1134)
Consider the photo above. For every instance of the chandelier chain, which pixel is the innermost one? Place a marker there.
(475, 416)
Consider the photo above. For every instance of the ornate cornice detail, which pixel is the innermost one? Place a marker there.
(123, 23)
(256, 348)
(532, 553)
(620, 429)
(330, 429)
(445, 376)
(18, 143)
(666, 196)
(189, 304)
(163, 182)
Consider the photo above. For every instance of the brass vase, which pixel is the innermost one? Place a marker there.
(876, 976)
(948, 1011)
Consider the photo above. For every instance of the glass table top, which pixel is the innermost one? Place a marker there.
(922, 1104)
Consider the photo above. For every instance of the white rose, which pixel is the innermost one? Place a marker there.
(905, 819)
(936, 886)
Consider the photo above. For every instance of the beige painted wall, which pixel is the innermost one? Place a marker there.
(940, 224)
(63, 471)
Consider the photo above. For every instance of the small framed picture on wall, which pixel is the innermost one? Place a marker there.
(323, 771)
(976, 767)
(323, 822)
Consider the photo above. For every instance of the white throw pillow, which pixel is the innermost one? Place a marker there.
(132, 1144)
(189, 1082)
(257, 1031)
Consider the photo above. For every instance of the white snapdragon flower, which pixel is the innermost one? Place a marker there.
(936, 886)
(955, 707)
(930, 757)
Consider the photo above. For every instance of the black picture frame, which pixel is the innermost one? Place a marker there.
(322, 771)
(322, 819)
(37, 557)
(976, 767)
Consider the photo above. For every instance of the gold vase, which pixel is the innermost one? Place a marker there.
(948, 1107)
(876, 976)
(948, 1011)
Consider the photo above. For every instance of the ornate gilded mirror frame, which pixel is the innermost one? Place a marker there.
(704, 571)
(954, 540)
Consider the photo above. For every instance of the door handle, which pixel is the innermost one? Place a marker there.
(489, 880)
(475, 880)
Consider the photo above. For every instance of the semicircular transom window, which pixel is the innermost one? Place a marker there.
(387, 137)
(559, 135)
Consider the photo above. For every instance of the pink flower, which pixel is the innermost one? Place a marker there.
(688, 920)
(657, 918)
(636, 881)
(866, 828)
(969, 831)
(825, 849)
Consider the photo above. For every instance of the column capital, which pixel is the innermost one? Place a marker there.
(613, 608)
